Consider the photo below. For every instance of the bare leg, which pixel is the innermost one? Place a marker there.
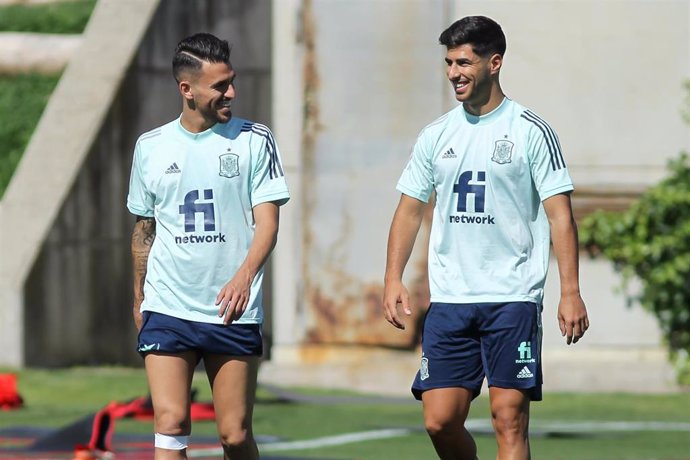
(170, 380)
(510, 418)
(445, 412)
(233, 381)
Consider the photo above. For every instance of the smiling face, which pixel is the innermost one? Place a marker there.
(474, 78)
(208, 94)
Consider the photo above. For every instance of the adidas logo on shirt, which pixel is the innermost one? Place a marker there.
(173, 169)
(524, 373)
(449, 154)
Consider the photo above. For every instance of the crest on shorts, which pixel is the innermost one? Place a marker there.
(503, 152)
(229, 165)
(424, 369)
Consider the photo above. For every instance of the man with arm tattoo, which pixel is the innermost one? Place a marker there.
(206, 189)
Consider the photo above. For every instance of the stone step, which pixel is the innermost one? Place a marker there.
(22, 52)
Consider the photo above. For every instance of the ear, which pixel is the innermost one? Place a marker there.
(185, 88)
(495, 63)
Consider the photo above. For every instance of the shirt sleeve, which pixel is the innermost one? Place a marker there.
(268, 177)
(548, 168)
(139, 200)
(417, 179)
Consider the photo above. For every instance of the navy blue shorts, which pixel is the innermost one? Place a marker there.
(463, 343)
(168, 334)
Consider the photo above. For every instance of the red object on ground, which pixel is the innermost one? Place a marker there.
(103, 424)
(9, 397)
(84, 453)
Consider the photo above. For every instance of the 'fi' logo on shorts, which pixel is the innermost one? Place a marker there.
(424, 369)
(525, 351)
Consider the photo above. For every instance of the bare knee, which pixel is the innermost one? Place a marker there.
(445, 411)
(510, 426)
(172, 423)
(510, 415)
(442, 424)
(236, 437)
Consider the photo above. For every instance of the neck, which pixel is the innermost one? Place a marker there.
(193, 122)
(486, 104)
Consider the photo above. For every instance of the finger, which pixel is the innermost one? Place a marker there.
(561, 326)
(586, 321)
(394, 319)
(236, 307)
(230, 311)
(398, 323)
(225, 301)
(577, 332)
(220, 296)
(405, 301)
(569, 333)
(240, 308)
(390, 320)
(385, 312)
(223, 306)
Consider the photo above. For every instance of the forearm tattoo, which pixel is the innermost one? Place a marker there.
(142, 239)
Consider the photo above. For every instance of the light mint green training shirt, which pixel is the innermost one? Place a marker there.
(201, 189)
(490, 236)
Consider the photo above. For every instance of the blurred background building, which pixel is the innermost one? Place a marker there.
(345, 85)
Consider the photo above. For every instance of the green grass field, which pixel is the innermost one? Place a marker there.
(21, 104)
(57, 397)
(57, 18)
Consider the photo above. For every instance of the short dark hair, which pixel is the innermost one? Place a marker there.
(483, 34)
(191, 51)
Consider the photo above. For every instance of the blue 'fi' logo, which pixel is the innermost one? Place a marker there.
(463, 188)
(469, 185)
(191, 208)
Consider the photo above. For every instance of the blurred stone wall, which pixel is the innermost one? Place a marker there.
(372, 76)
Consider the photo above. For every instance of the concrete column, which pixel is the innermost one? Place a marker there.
(11, 325)
(288, 101)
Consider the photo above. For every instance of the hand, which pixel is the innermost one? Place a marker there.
(234, 297)
(395, 293)
(572, 318)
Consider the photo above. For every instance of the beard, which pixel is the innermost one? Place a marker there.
(216, 114)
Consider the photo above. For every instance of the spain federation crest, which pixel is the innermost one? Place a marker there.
(424, 369)
(229, 165)
(503, 152)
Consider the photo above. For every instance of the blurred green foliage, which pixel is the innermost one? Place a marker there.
(55, 18)
(24, 96)
(650, 241)
(21, 104)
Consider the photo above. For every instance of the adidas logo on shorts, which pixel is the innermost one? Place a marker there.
(525, 373)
